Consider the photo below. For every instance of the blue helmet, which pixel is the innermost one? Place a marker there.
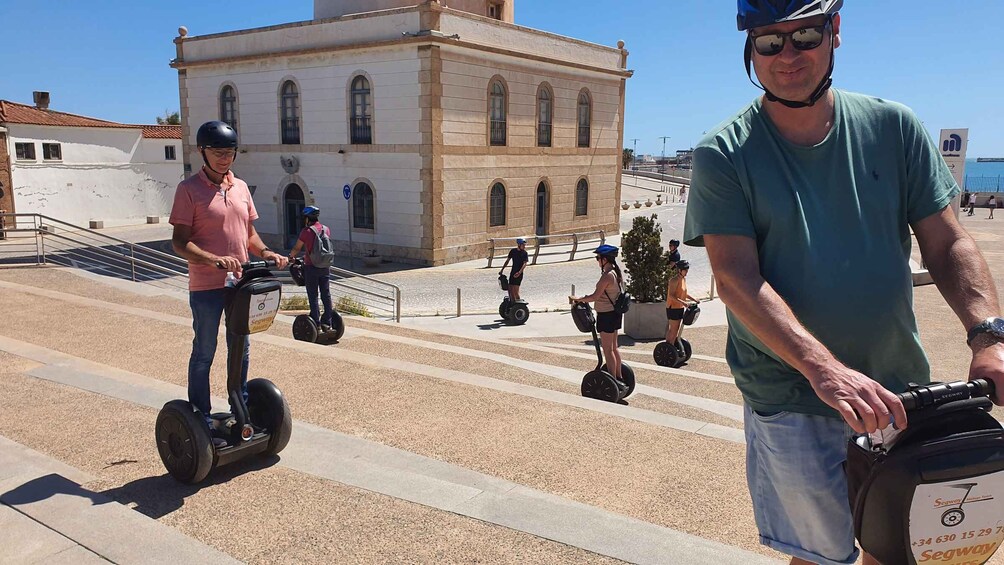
(520, 241)
(606, 250)
(756, 13)
(311, 211)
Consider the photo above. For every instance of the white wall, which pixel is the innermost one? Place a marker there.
(109, 174)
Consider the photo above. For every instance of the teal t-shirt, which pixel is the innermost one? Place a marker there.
(832, 229)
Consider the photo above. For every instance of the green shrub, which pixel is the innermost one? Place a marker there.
(645, 261)
(349, 305)
(295, 302)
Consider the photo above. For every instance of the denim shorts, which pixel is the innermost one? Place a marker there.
(795, 473)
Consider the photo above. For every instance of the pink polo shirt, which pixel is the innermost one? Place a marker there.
(220, 217)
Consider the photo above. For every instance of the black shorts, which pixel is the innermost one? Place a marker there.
(674, 313)
(515, 280)
(608, 322)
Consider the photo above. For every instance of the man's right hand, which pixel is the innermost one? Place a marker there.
(227, 263)
(863, 403)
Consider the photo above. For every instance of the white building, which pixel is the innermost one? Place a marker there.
(450, 125)
(79, 169)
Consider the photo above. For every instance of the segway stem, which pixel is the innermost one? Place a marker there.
(599, 351)
(235, 392)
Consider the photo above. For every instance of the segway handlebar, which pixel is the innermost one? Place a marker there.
(253, 265)
(936, 394)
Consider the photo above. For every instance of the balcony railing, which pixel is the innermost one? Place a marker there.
(362, 131)
(583, 136)
(290, 131)
(544, 135)
(498, 132)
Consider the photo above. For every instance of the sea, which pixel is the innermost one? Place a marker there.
(984, 177)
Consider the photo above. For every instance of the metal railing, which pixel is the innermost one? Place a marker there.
(547, 245)
(362, 131)
(290, 131)
(498, 132)
(984, 184)
(36, 239)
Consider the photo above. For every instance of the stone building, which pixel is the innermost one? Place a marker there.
(449, 123)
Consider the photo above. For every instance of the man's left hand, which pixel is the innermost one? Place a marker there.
(280, 261)
(988, 363)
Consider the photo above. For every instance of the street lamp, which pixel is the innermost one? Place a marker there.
(663, 167)
(634, 155)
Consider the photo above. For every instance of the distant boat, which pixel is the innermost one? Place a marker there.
(990, 159)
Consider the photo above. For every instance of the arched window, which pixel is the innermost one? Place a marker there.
(582, 198)
(228, 106)
(497, 112)
(496, 205)
(545, 113)
(289, 113)
(363, 217)
(585, 116)
(361, 126)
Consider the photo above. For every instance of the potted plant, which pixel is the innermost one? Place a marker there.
(372, 259)
(658, 199)
(625, 206)
(646, 265)
(648, 203)
(637, 204)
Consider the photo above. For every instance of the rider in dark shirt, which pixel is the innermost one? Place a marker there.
(520, 259)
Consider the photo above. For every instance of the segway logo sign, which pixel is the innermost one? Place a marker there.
(262, 311)
(955, 522)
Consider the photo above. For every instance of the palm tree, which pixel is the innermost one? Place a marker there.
(626, 158)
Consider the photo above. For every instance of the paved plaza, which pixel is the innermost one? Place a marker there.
(436, 440)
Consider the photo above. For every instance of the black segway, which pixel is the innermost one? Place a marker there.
(514, 313)
(304, 327)
(600, 383)
(262, 425)
(933, 492)
(676, 355)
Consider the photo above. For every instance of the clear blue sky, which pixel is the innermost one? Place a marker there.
(109, 58)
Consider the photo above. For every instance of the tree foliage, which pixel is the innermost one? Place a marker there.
(626, 157)
(645, 260)
(169, 118)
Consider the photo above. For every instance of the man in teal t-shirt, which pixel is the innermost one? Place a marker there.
(805, 201)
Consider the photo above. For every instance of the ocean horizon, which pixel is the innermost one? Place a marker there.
(984, 177)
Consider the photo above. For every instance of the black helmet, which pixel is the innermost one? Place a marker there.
(674, 242)
(757, 13)
(682, 264)
(217, 135)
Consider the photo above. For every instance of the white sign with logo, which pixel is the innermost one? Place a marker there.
(953, 145)
(262, 310)
(957, 522)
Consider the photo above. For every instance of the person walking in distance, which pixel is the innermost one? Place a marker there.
(809, 193)
(213, 217)
(317, 277)
(992, 203)
(520, 259)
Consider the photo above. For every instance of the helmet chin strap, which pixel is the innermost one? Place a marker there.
(821, 89)
(210, 167)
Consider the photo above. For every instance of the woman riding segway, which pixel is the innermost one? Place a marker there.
(672, 353)
(608, 320)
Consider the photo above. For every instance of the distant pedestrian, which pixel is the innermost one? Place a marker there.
(683, 194)
(992, 203)
(972, 204)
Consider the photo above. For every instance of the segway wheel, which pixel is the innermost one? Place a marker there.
(627, 377)
(519, 314)
(953, 517)
(304, 329)
(684, 346)
(184, 443)
(337, 326)
(666, 355)
(601, 386)
(268, 409)
(504, 309)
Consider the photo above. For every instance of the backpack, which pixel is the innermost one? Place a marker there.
(623, 302)
(322, 254)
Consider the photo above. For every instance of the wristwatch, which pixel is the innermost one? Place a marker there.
(992, 326)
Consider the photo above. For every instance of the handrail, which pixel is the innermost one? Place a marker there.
(576, 237)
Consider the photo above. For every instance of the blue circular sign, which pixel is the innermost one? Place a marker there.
(347, 191)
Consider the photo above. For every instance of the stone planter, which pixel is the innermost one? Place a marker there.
(372, 261)
(637, 204)
(625, 206)
(658, 200)
(648, 203)
(646, 320)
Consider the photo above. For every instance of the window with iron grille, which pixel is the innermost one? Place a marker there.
(24, 151)
(495, 10)
(497, 113)
(52, 152)
(228, 106)
(496, 205)
(361, 126)
(169, 153)
(582, 198)
(585, 115)
(289, 112)
(544, 116)
(363, 216)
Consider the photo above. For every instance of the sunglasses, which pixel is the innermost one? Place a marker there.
(804, 39)
(222, 153)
